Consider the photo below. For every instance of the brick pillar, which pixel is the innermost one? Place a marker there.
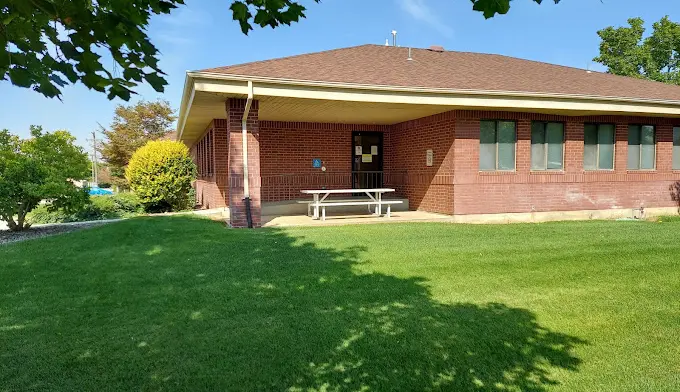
(573, 151)
(221, 157)
(664, 148)
(621, 148)
(237, 207)
(523, 158)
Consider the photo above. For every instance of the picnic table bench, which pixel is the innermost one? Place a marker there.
(320, 201)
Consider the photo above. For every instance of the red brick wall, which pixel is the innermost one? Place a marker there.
(288, 148)
(210, 155)
(454, 184)
(572, 189)
(427, 188)
(237, 210)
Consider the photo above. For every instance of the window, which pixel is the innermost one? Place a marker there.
(598, 151)
(641, 147)
(676, 148)
(497, 145)
(547, 146)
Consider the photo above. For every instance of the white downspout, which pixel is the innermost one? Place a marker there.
(244, 133)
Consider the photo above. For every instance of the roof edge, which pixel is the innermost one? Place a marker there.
(424, 90)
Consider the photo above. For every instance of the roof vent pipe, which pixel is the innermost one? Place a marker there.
(409, 55)
(394, 37)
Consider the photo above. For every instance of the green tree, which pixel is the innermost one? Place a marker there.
(625, 51)
(160, 174)
(492, 7)
(41, 167)
(132, 127)
(48, 44)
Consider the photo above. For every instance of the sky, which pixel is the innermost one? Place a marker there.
(202, 35)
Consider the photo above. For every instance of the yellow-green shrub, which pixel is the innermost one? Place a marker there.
(160, 174)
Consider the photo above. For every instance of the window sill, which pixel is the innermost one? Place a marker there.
(497, 172)
(598, 171)
(547, 172)
(641, 171)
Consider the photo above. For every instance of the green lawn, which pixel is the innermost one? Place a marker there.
(178, 303)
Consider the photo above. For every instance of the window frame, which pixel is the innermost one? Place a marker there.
(676, 128)
(597, 125)
(496, 169)
(545, 144)
(656, 142)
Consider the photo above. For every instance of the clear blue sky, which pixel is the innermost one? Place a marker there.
(202, 35)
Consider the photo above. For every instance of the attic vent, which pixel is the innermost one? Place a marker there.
(436, 48)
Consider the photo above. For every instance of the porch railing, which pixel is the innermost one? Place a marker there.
(288, 186)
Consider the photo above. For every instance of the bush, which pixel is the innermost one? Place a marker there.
(123, 205)
(42, 215)
(104, 185)
(160, 174)
(191, 198)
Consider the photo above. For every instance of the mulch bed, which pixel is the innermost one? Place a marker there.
(7, 237)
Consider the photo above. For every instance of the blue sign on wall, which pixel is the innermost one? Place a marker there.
(316, 163)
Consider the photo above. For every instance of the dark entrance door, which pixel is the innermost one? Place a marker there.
(367, 160)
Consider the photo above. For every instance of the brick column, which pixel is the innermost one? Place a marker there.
(221, 157)
(664, 148)
(621, 148)
(573, 151)
(237, 207)
(523, 158)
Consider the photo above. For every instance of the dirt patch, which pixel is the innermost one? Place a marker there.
(7, 237)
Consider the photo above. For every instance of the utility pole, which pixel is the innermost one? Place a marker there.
(95, 171)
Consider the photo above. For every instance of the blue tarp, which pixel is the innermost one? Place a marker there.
(100, 191)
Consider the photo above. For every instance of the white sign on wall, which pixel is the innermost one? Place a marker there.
(429, 158)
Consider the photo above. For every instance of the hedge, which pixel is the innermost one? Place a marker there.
(122, 205)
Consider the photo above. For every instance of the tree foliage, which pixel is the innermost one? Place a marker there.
(625, 51)
(492, 7)
(132, 127)
(48, 44)
(160, 174)
(38, 168)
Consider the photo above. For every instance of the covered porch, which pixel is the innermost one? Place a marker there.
(296, 144)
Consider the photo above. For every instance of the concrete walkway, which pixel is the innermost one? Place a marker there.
(334, 219)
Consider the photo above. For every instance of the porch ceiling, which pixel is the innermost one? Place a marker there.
(208, 106)
(316, 110)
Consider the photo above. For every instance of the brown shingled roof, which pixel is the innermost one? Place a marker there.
(388, 66)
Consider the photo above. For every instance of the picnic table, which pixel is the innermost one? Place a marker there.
(320, 201)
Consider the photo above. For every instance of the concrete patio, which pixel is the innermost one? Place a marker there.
(340, 218)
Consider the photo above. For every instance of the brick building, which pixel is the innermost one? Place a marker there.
(463, 134)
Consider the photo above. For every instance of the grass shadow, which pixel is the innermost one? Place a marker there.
(178, 303)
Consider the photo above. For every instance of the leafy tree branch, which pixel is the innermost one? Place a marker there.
(625, 51)
(46, 45)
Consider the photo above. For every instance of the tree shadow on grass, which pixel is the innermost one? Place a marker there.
(184, 304)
